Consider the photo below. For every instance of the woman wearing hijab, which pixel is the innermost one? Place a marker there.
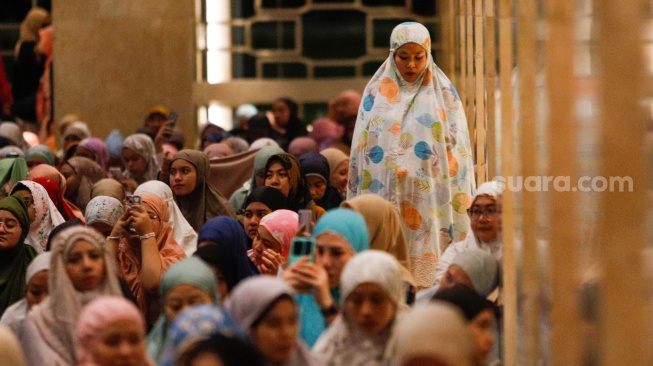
(316, 169)
(325, 132)
(145, 253)
(36, 282)
(102, 214)
(218, 150)
(271, 246)
(301, 146)
(228, 349)
(94, 149)
(55, 184)
(12, 170)
(197, 323)
(108, 187)
(223, 246)
(188, 282)
(282, 172)
(265, 308)
(198, 201)
(181, 229)
(372, 300)
(339, 235)
(81, 174)
(411, 146)
(39, 154)
(139, 157)
(262, 201)
(81, 269)
(432, 324)
(14, 255)
(42, 212)
(237, 199)
(100, 323)
(287, 124)
(73, 134)
(28, 67)
(12, 132)
(485, 222)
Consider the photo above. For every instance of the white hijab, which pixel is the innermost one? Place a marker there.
(181, 229)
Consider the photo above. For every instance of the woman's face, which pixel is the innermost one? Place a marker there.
(85, 266)
(254, 212)
(277, 177)
(121, 342)
(483, 339)
(455, 275)
(275, 335)
(281, 113)
(333, 253)
(37, 288)
(10, 230)
(369, 308)
(317, 186)
(72, 181)
(340, 176)
(487, 225)
(183, 296)
(27, 196)
(264, 240)
(183, 177)
(134, 163)
(86, 153)
(411, 60)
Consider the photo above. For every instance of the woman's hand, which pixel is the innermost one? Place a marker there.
(305, 277)
(122, 226)
(270, 262)
(141, 221)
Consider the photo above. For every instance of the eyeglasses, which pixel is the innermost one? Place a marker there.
(490, 213)
(10, 226)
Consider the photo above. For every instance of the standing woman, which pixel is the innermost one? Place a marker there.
(14, 255)
(81, 174)
(411, 146)
(81, 269)
(139, 157)
(198, 201)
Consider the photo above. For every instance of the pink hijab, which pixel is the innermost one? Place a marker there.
(326, 133)
(282, 224)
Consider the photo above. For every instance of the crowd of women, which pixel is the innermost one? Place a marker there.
(137, 251)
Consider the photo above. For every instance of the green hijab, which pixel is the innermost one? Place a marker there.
(190, 271)
(14, 261)
(12, 169)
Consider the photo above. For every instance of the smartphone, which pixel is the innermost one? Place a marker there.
(133, 200)
(116, 173)
(305, 218)
(300, 247)
(172, 121)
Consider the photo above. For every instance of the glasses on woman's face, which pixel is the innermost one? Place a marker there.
(9, 225)
(489, 213)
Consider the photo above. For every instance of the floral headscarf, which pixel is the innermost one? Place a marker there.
(282, 224)
(103, 209)
(47, 216)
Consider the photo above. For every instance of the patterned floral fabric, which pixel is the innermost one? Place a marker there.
(47, 216)
(104, 209)
(411, 146)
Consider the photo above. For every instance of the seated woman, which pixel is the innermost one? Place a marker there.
(81, 174)
(223, 246)
(81, 269)
(264, 306)
(94, 149)
(111, 331)
(339, 169)
(45, 175)
(139, 157)
(198, 201)
(143, 242)
(372, 300)
(102, 214)
(237, 199)
(39, 154)
(43, 214)
(11, 171)
(261, 202)
(480, 316)
(316, 169)
(339, 235)
(181, 229)
(282, 172)
(15, 257)
(271, 246)
(222, 349)
(36, 280)
(187, 282)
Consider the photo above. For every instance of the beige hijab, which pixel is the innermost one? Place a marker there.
(110, 188)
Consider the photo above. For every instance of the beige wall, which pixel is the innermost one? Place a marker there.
(114, 59)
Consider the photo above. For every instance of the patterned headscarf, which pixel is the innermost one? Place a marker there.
(103, 209)
(142, 145)
(47, 216)
(282, 224)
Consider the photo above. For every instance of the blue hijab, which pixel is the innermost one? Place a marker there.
(352, 227)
